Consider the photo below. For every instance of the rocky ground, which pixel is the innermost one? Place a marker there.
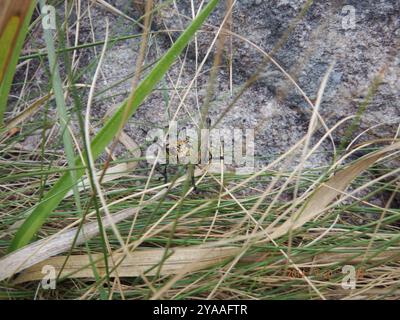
(272, 105)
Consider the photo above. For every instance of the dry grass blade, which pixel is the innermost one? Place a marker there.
(321, 198)
(138, 263)
(328, 191)
(60, 242)
(112, 173)
(28, 112)
(48, 247)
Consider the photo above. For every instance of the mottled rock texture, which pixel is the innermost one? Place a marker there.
(325, 34)
(304, 46)
(362, 50)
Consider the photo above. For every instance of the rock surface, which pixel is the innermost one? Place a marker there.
(326, 34)
(362, 49)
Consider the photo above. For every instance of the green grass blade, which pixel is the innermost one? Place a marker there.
(61, 107)
(51, 200)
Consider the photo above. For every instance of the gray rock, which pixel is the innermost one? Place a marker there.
(272, 105)
(324, 35)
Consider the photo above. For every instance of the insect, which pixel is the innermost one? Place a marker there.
(184, 150)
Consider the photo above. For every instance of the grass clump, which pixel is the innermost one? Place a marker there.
(115, 227)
